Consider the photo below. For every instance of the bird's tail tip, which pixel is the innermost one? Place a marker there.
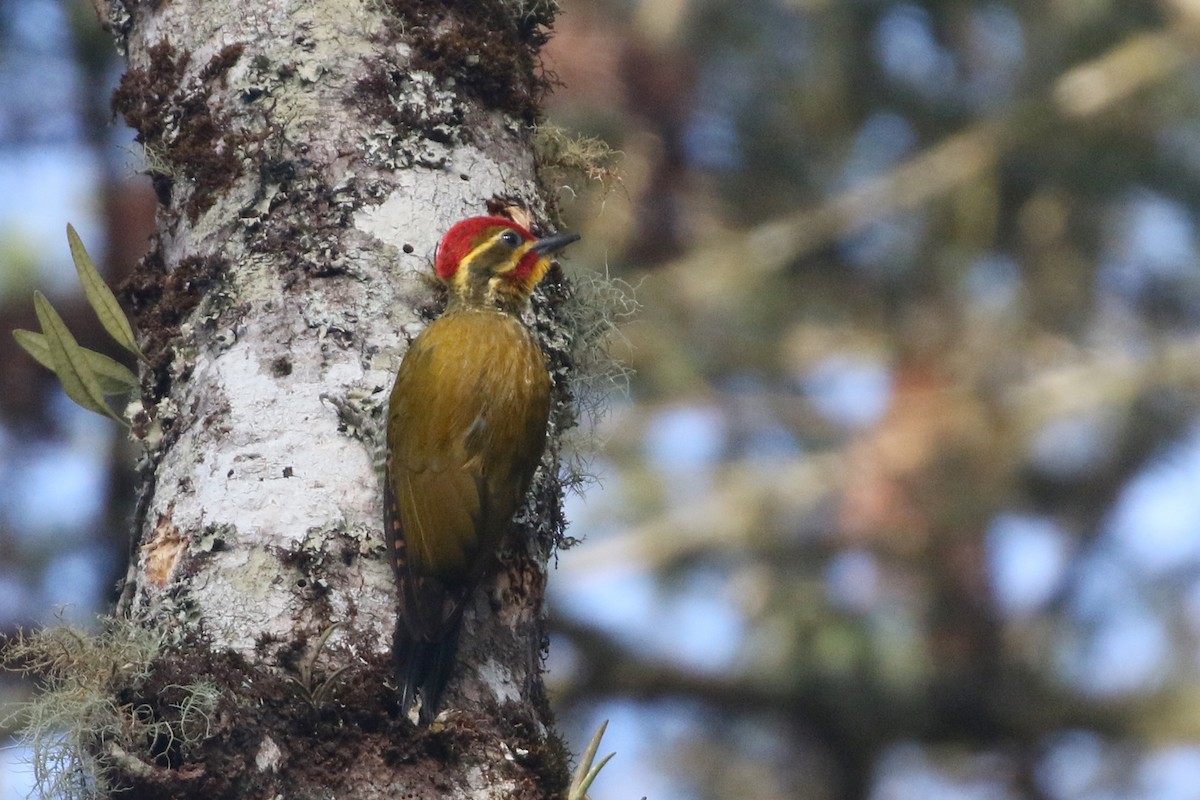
(422, 672)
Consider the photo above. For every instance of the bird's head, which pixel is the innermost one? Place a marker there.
(494, 262)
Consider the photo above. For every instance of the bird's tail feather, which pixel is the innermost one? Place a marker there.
(423, 665)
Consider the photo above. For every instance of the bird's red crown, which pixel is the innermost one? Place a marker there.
(465, 236)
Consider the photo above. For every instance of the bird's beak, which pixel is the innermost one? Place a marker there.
(552, 244)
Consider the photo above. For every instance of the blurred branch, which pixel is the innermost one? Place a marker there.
(856, 711)
(737, 513)
(1081, 93)
(736, 510)
(1185, 16)
(1103, 378)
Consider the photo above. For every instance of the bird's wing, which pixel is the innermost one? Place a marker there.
(465, 433)
(433, 476)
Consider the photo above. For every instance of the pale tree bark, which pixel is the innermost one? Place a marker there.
(307, 157)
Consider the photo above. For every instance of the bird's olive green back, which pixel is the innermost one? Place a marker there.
(465, 444)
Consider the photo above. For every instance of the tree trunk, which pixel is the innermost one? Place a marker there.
(307, 157)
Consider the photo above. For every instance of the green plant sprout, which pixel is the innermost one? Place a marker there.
(585, 773)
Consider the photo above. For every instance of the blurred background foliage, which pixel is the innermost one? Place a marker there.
(903, 500)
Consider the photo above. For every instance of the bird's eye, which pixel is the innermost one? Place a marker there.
(510, 238)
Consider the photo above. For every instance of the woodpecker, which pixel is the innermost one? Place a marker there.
(466, 430)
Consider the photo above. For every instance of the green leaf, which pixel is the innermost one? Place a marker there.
(70, 364)
(36, 345)
(100, 297)
(585, 773)
(113, 376)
